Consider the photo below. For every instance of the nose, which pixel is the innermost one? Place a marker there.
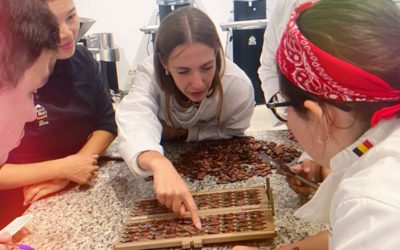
(197, 81)
(65, 31)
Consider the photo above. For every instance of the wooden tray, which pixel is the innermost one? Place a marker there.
(227, 216)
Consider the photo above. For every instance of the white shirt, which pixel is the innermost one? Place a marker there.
(361, 197)
(276, 25)
(267, 72)
(272, 36)
(139, 113)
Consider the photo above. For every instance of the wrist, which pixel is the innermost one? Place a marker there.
(58, 169)
(324, 172)
(151, 161)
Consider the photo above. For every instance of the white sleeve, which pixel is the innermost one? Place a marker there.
(237, 107)
(365, 224)
(139, 128)
(276, 24)
(365, 211)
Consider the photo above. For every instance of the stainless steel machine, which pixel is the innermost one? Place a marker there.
(84, 25)
(166, 6)
(107, 54)
(104, 51)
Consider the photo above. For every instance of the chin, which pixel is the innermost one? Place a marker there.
(65, 54)
(197, 98)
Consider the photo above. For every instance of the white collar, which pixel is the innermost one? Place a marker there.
(318, 208)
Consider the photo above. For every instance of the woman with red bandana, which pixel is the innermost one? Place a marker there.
(339, 62)
(74, 124)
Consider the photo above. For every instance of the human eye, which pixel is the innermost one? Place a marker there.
(207, 67)
(182, 72)
(72, 16)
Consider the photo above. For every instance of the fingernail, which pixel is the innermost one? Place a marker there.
(198, 225)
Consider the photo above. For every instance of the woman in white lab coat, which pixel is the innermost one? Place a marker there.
(186, 90)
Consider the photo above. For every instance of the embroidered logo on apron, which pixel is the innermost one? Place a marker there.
(41, 115)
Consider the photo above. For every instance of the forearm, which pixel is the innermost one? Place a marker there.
(97, 143)
(151, 160)
(14, 176)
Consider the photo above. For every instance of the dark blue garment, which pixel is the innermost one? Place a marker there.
(73, 104)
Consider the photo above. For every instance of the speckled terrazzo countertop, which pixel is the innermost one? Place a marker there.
(92, 218)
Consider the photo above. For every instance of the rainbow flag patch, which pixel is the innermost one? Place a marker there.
(363, 148)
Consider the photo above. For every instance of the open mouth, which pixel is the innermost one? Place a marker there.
(198, 94)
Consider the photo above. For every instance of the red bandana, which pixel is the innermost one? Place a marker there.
(321, 74)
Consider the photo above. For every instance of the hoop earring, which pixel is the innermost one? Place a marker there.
(167, 72)
(321, 141)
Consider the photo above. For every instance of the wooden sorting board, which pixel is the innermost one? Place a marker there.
(227, 216)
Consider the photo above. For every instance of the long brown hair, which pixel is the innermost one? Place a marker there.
(186, 25)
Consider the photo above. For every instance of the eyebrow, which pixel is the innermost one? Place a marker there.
(204, 64)
(71, 10)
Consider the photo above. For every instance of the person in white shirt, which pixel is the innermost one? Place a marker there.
(186, 90)
(268, 74)
(270, 83)
(340, 82)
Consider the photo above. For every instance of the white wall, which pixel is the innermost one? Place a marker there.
(124, 18)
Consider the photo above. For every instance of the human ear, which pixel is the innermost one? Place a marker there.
(314, 109)
(316, 112)
(163, 63)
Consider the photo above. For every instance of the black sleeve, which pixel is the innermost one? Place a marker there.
(105, 114)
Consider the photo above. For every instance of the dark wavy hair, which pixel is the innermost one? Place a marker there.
(26, 28)
(365, 33)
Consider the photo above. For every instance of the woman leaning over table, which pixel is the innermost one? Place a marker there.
(186, 90)
(75, 123)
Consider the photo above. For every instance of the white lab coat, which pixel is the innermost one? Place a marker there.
(276, 25)
(267, 71)
(361, 197)
(139, 113)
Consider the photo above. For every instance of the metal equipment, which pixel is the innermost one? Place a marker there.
(248, 39)
(103, 48)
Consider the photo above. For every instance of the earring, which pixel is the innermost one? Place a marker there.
(167, 72)
(321, 141)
